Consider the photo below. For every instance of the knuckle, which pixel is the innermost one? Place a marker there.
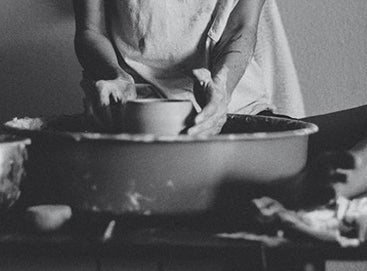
(100, 91)
(209, 124)
(101, 85)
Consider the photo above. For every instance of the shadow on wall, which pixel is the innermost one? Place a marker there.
(39, 71)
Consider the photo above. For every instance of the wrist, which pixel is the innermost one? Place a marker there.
(220, 80)
(121, 75)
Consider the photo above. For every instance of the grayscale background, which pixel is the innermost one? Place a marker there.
(39, 73)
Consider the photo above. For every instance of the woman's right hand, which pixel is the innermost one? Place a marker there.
(104, 99)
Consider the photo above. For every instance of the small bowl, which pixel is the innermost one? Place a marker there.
(12, 156)
(160, 117)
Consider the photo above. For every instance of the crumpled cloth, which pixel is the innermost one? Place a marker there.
(343, 221)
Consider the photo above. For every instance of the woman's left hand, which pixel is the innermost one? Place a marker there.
(211, 94)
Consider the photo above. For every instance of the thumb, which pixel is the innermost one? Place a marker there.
(203, 76)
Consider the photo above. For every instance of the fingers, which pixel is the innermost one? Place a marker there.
(212, 130)
(203, 76)
(104, 91)
(116, 90)
(356, 219)
(208, 111)
(213, 99)
(211, 125)
(216, 106)
(106, 98)
(105, 95)
(116, 96)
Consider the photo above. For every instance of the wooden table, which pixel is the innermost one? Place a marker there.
(161, 249)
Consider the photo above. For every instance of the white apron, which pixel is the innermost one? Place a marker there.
(164, 40)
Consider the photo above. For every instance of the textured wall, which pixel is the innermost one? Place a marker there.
(39, 74)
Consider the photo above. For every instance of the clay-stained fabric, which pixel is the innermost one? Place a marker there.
(164, 40)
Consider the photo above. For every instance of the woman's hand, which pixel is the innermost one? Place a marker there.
(104, 99)
(211, 94)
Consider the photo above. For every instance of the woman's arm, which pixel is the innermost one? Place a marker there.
(229, 60)
(104, 80)
(92, 44)
(235, 49)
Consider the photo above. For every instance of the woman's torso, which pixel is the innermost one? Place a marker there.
(164, 40)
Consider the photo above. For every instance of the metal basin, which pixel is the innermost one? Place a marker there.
(122, 173)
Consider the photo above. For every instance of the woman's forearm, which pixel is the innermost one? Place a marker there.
(93, 47)
(97, 56)
(234, 57)
(235, 49)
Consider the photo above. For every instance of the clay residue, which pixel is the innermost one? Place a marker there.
(135, 200)
(26, 123)
(11, 172)
(237, 127)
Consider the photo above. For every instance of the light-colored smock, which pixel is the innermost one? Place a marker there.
(164, 40)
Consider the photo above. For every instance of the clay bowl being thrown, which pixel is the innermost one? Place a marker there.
(161, 117)
(12, 156)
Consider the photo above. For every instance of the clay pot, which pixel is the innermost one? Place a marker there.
(158, 116)
(12, 156)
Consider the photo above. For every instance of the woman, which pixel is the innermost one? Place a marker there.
(171, 45)
(203, 51)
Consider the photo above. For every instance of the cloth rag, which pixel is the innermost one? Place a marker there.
(344, 222)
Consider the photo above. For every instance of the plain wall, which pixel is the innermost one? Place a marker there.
(39, 74)
(328, 39)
